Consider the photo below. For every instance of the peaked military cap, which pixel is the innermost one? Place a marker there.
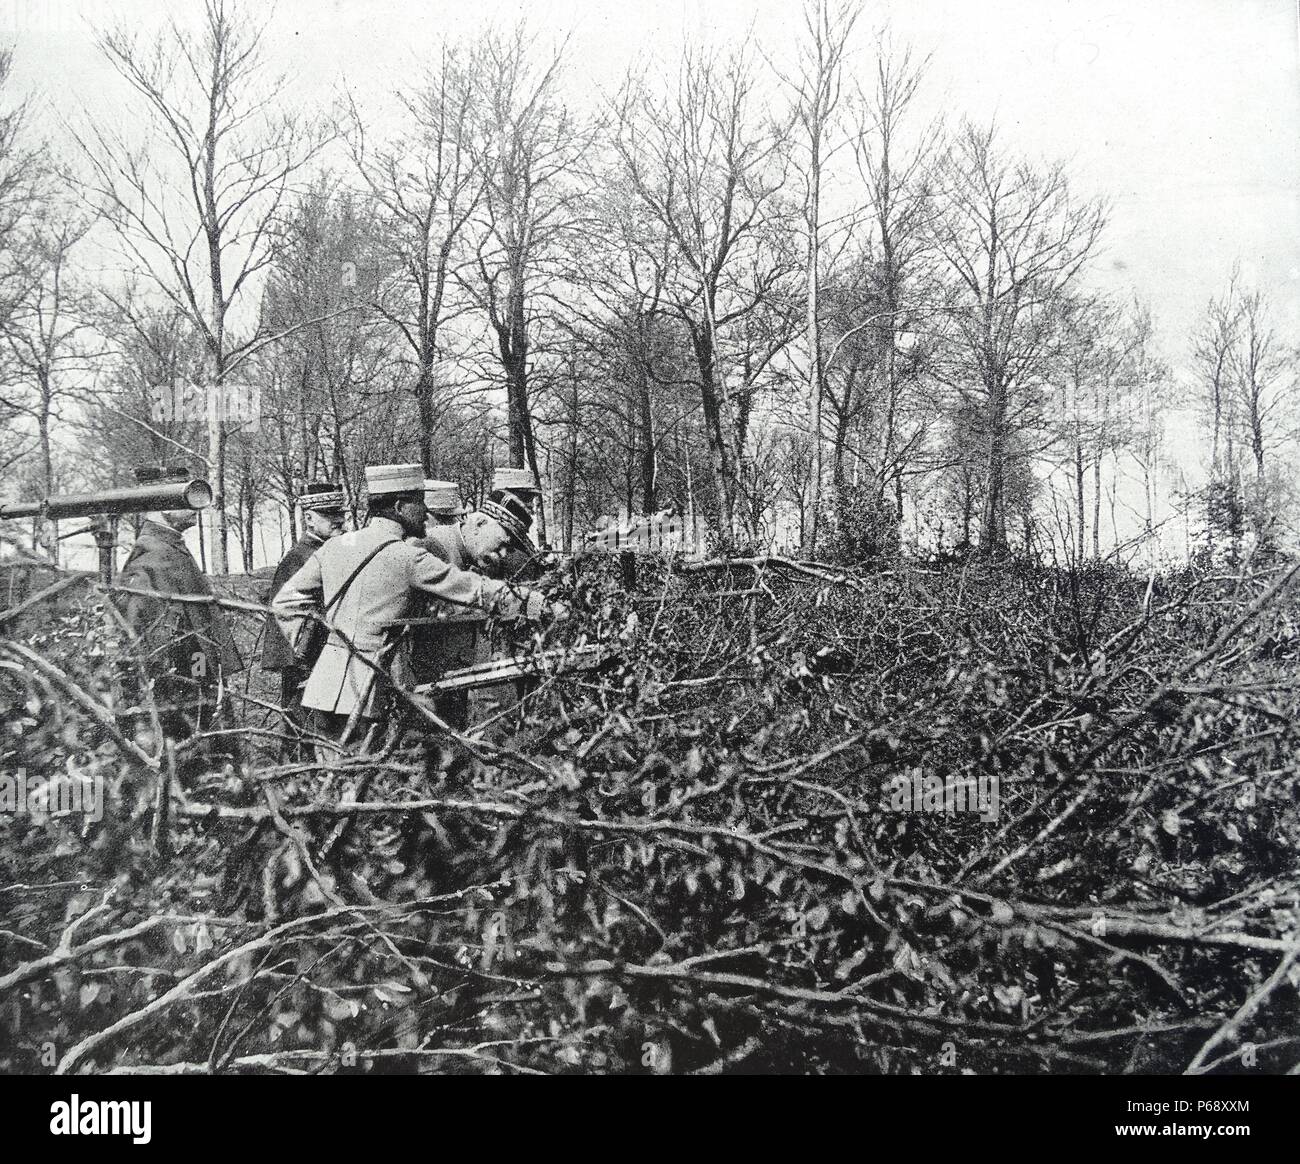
(443, 498)
(514, 480)
(384, 479)
(512, 515)
(322, 496)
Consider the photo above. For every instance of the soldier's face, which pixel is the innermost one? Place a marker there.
(325, 525)
(487, 542)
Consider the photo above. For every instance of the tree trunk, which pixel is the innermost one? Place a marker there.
(648, 458)
(212, 226)
(1096, 507)
(47, 458)
(512, 340)
(719, 449)
(571, 488)
(838, 449)
(967, 506)
(1079, 510)
(889, 437)
(993, 524)
(250, 515)
(843, 425)
(814, 342)
(424, 400)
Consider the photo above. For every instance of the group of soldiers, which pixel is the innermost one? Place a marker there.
(340, 602)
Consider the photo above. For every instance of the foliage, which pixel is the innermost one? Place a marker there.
(687, 860)
(1225, 511)
(866, 525)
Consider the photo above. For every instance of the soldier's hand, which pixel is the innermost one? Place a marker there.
(558, 611)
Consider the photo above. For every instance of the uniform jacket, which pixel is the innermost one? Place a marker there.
(455, 643)
(174, 633)
(446, 542)
(277, 655)
(385, 591)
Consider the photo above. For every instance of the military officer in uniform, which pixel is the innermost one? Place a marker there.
(482, 539)
(481, 543)
(323, 517)
(520, 560)
(520, 482)
(188, 648)
(442, 500)
(367, 581)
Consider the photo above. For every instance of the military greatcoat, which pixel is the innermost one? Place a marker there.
(188, 640)
(344, 680)
(277, 655)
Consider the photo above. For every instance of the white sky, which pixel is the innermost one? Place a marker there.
(1185, 114)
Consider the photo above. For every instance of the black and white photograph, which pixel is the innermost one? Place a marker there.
(716, 537)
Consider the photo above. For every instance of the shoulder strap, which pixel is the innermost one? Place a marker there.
(338, 594)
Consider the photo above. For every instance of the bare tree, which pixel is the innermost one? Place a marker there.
(426, 186)
(1264, 382)
(336, 357)
(848, 380)
(817, 86)
(1092, 351)
(1249, 398)
(1014, 241)
(49, 337)
(705, 168)
(1149, 397)
(1212, 348)
(24, 174)
(195, 200)
(896, 162)
(124, 421)
(24, 185)
(621, 322)
(531, 157)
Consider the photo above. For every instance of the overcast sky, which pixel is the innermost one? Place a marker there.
(1185, 114)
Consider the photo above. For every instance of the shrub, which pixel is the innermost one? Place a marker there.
(688, 860)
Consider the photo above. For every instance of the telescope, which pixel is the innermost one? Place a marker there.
(195, 494)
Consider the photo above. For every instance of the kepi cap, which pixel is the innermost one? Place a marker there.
(512, 515)
(385, 479)
(443, 498)
(321, 496)
(514, 480)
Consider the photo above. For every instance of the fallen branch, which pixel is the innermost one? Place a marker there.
(40, 967)
(42, 595)
(1230, 1028)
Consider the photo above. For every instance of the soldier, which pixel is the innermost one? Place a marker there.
(322, 518)
(481, 543)
(368, 580)
(442, 500)
(483, 538)
(520, 482)
(188, 646)
(520, 561)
